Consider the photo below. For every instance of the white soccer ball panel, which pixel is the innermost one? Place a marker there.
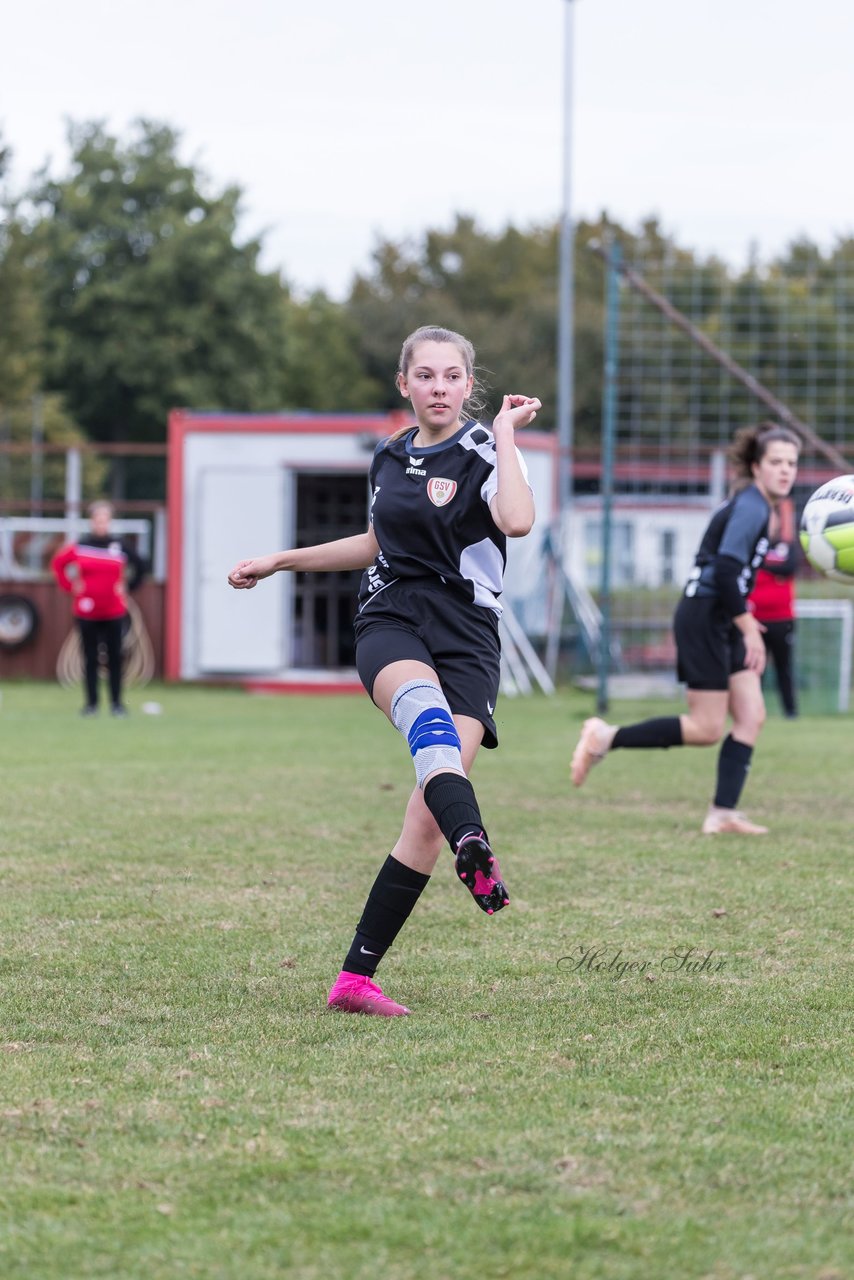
(830, 505)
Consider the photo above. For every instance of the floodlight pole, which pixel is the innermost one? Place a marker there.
(555, 537)
(565, 303)
(609, 415)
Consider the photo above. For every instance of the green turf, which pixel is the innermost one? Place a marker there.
(177, 892)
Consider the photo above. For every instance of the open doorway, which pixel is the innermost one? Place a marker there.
(329, 505)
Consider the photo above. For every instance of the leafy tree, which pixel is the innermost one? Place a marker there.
(321, 369)
(21, 331)
(149, 301)
(26, 414)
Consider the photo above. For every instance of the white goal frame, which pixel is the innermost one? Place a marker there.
(43, 528)
(844, 611)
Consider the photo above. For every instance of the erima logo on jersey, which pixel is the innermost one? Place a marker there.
(414, 468)
(441, 491)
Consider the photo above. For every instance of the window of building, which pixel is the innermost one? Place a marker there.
(622, 553)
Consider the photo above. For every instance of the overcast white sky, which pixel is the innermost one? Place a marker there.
(346, 121)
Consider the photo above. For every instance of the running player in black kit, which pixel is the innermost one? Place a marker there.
(447, 493)
(721, 653)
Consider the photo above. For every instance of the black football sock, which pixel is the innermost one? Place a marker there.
(665, 732)
(451, 800)
(733, 768)
(390, 903)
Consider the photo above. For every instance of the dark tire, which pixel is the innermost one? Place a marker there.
(19, 622)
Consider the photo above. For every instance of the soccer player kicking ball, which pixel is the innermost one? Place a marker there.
(720, 650)
(446, 494)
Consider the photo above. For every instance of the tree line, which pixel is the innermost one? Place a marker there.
(126, 292)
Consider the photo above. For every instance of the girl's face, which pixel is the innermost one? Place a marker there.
(776, 472)
(100, 520)
(438, 384)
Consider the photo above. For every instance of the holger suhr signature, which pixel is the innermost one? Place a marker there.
(611, 961)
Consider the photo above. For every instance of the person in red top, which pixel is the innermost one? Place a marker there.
(772, 602)
(94, 570)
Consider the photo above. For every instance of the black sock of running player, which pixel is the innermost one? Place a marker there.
(666, 731)
(451, 800)
(390, 903)
(733, 768)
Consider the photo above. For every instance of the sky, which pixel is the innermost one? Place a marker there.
(345, 123)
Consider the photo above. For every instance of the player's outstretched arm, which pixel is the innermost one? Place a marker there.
(328, 557)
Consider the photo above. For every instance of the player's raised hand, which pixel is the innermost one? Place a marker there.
(517, 411)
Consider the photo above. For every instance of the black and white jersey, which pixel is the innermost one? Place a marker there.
(732, 549)
(430, 515)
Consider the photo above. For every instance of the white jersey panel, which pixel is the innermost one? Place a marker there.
(490, 486)
(483, 566)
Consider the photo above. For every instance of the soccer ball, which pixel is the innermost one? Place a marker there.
(827, 529)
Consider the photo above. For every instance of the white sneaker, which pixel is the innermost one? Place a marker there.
(592, 747)
(730, 821)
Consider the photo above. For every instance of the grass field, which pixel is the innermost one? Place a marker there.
(178, 892)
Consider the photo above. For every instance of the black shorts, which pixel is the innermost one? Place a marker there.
(426, 621)
(709, 646)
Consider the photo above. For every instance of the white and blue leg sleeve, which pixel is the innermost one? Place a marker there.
(419, 710)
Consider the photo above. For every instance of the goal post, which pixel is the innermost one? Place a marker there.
(823, 647)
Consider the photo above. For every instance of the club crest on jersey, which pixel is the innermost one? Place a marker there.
(441, 491)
